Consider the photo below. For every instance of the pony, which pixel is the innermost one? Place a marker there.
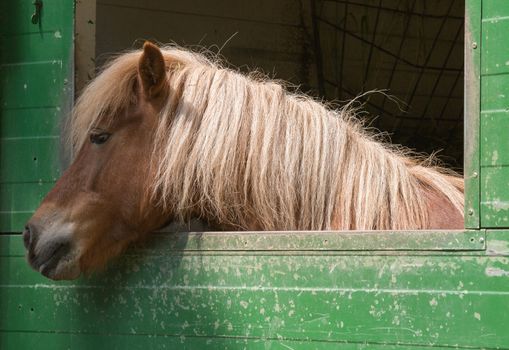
(166, 134)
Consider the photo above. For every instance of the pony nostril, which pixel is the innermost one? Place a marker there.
(28, 236)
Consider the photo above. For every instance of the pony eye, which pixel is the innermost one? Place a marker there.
(99, 138)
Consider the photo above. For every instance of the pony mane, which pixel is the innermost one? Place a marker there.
(247, 154)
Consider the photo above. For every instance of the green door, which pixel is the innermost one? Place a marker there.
(36, 91)
(494, 115)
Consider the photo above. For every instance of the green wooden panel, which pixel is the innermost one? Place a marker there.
(34, 159)
(421, 240)
(472, 110)
(243, 299)
(494, 8)
(495, 139)
(495, 55)
(56, 14)
(314, 315)
(30, 122)
(52, 341)
(321, 242)
(18, 201)
(495, 197)
(43, 47)
(14, 221)
(494, 124)
(494, 92)
(36, 92)
(38, 84)
(22, 196)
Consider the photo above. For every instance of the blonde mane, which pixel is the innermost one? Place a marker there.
(248, 154)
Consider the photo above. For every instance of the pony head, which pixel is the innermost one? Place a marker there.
(100, 204)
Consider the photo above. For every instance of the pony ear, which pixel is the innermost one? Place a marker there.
(152, 70)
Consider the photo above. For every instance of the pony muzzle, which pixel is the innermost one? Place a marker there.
(51, 251)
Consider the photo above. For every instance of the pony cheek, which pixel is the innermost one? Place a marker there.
(97, 252)
(98, 241)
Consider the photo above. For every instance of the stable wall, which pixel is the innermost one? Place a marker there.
(265, 34)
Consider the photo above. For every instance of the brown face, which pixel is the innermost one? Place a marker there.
(99, 205)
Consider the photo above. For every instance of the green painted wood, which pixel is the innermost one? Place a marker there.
(495, 142)
(494, 197)
(155, 341)
(389, 299)
(321, 241)
(494, 93)
(33, 84)
(18, 202)
(36, 93)
(494, 121)
(45, 47)
(301, 242)
(472, 110)
(57, 15)
(33, 159)
(495, 57)
(30, 122)
(494, 8)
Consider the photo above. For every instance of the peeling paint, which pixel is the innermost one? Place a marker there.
(494, 157)
(497, 247)
(496, 272)
(498, 204)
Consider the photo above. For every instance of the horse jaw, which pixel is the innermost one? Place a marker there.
(65, 270)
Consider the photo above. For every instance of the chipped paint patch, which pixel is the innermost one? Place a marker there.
(498, 204)
(495, 272)
(494, 157)
(498, 247)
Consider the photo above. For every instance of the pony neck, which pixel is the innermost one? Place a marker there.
(247, 154)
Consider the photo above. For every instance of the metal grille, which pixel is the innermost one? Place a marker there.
(413, 49)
